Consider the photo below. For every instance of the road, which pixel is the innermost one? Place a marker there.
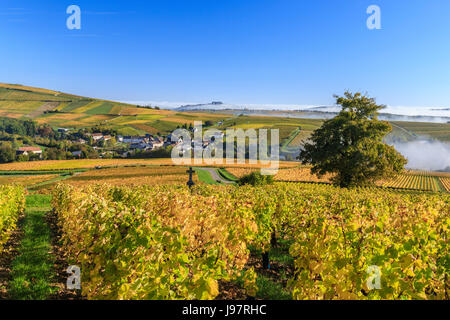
(216, 176)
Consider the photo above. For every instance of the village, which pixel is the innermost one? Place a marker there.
(76, 144)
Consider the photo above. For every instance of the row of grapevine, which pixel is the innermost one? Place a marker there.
(12, 203)
(339, 234)
(404, 237)
(414, 182)
(428, 173)
(446, 183)
(153, 243)
(164, 242)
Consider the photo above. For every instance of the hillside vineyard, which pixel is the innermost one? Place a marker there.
(168, 243)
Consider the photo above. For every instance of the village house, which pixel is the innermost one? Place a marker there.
(169, 140)
(156, 142)
(141, 146)
(29, 150)
(97, 136)
(134, 140)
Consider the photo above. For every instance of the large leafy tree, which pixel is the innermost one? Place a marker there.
(350, 145)
(7, 153)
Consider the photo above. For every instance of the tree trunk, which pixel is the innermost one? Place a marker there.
(265, 260)
(273, 240)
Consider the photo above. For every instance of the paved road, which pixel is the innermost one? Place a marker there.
(216, 176)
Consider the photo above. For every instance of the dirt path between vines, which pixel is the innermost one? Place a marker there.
(32, 264)
(9, 252)
(45, 107)
(60, 264)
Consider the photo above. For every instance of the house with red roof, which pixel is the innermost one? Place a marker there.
(29, 150)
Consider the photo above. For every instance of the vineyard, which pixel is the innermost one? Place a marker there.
(446, 183)
(24, 180)
(410, 180)
(414, 182)
(165, 242)
(137, 232)
(296, 174)
(12, 203)
(130, 176)
(105, 163)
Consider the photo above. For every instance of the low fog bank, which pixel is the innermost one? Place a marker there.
(329, 115)
(425, 154)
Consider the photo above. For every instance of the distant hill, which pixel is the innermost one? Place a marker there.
(17, 101)
(60, 109)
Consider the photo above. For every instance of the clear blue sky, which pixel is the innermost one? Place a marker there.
(236, 51)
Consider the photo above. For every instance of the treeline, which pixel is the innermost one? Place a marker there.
(16, 126)
(60, 151)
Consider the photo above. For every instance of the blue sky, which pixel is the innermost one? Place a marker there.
(237, 51)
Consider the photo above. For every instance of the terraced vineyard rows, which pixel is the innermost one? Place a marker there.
(445, 183)
(411, 180)
(417, 181)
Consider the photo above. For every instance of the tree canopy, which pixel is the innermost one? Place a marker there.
(350, 145)
(17, 126)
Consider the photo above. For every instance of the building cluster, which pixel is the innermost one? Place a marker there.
(145, 143)
(127, 145)
(98, 137)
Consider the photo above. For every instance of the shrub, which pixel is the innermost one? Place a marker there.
(256, 179)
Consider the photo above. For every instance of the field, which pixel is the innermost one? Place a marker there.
(445, 183)
(416, 181)
(323, 249)
(138, 232)
(146, 171)
(295, 228)
(92, 163)
(25, 180)
(438, 131)
(410, 180)
(127, 176)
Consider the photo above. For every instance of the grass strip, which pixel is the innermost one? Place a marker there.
(205, 177)
(38, 186)
(32, 269)
(226, 175)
